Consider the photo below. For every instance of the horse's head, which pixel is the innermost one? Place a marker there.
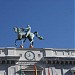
(17, 30)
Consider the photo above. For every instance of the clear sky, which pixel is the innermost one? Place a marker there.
(53, 19)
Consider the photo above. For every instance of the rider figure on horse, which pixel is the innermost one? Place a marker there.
(28, 30)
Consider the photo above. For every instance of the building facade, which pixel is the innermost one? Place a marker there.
(37, 61)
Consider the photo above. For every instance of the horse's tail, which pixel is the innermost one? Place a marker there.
(38, 36)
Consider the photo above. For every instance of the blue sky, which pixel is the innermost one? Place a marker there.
(53, 19)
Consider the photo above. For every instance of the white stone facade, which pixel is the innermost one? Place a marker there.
(56, 61)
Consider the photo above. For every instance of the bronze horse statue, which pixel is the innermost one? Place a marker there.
(22, 34)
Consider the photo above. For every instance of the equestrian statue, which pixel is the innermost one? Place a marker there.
(23, 34)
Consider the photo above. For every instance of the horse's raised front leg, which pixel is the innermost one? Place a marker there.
(15, 41)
